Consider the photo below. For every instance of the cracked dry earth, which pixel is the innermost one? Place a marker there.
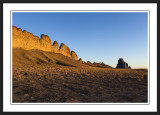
(47, 77)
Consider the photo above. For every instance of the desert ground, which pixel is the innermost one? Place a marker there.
(47, 77)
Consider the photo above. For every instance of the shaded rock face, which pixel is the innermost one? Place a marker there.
(80, 60)
(74, 55)
(122, 64)
(26, 40)
(64, 50)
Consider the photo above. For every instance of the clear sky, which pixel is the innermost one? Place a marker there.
(94, 36)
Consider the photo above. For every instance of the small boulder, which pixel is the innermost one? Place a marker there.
(25, 73)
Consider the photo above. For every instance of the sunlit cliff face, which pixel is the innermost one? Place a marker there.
(27, 41)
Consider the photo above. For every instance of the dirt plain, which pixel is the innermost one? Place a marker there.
(45, 77)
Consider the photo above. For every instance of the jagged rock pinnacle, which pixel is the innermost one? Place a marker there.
(122, 64)
(27, 41)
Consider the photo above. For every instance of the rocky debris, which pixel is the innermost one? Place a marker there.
(27, 41)
(87, 84)
(100, 64)
(64, 50)
(55, 47)
(25, 73)
(122, 64)
(74, 55)
(80, 60)
(96, 64)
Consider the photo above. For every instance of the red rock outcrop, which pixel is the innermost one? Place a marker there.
(74, 55)
(122, 64)
(26, 40)
(64, 50)
(55, 47)
(80, 60)
(88, 62)
(45, 43)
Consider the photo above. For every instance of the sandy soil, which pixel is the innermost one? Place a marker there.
(39, 76)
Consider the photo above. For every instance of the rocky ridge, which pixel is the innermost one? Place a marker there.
(28, 41)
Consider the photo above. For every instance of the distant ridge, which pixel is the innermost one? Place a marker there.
(28, 41)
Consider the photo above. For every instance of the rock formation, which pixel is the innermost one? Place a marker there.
(88, 62)
(64, 50)
(45, 42)
(80, 60)
(26, 40)
(122, 64)
(55, 47)
(74, 55)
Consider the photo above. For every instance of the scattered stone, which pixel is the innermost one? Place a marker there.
(25, 73)
(63, 99)
(26, 95)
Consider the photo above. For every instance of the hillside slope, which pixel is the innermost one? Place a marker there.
(22, 57)
(29, 57)
(41, 76)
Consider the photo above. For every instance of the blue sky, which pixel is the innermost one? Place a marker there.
(94, 36)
